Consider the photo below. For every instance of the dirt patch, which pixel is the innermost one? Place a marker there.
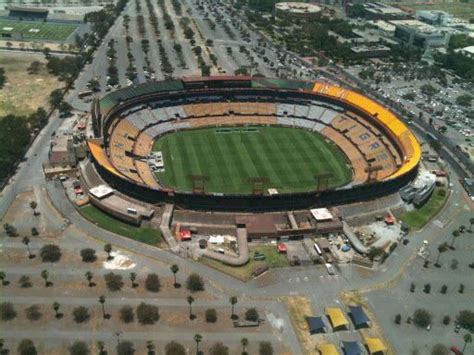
(23, 93)
(299, 308)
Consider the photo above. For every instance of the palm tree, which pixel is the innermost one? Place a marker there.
(190, 300)
(233, 302)
(108, 250)
(26, 241)
(3, 277)
(174, 269)
(455, 234)
(467, 339)
(197, 339)
(133, 277)
(33, 206)
(89, 275)
(102, 302)
(441, 249)
(101, 347)
(45, 276)
(56, 306)
(244, 342)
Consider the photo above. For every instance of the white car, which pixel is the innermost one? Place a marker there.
(330, 269)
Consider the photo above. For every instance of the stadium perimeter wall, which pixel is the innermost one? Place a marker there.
(109, 108)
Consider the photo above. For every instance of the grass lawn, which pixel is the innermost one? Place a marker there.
(288, 157)
(36, 30)
(23, 93)
(419, 217)
(103, 220)
(244, 273)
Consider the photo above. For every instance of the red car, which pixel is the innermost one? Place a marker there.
(455, 350)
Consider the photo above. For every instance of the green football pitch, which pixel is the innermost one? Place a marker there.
(289, 159)
(35, 30)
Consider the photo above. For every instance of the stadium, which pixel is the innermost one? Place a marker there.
(249, 144)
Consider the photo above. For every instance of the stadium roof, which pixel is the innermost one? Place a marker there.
(375, 345)
(336, 316)
(351, 348)
(358, 315)
(101, 191)
(328, 349)
(316, 325)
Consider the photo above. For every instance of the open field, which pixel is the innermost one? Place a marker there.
(458, 9)
(244, 273)
(23, 93)
(141, 234)
(288, 157)
(36, 31)
(419, 217)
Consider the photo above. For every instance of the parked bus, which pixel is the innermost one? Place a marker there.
(318, 249)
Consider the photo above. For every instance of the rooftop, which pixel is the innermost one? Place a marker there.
(298, 7)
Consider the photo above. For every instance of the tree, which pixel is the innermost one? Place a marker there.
(252, 315)
(26, 241)
(125, 348)
(412, 287)
(244, 342)
(427, 288)
(55, 98)
(35, 67)
(398, 319)
(439, 349)
(233, 301)
(471, 223)
(126, 314)
(133, 277)
(150, 347)
(33, 312)
(174, 348)
(56, 306)
(7, 311)
(197, 339)
(190, 300)
(441, 249)
(219, 349)
(195, 283)
(27, 347)
(79, 348)
(108, 250)
(3, 278)
(9, 229)
(113, 281)
(211, 315)
(33, 206)
(81, 314)
(65, 108)
(88, 255)
(34, 231)
(464, 100)
(152, 283)
(422, 318)
(454, 234)
(25, 281)
(47, 52)
(446, 320)
(265, 348)
(102, 302)
(147, 313)
(428, 90)
(461, 288)
(374, 253)
(45, 276)
(50, 253)
(89, 276)
(467, 340)
(465, 319)
(101, 348)
(444, 289)
(174, 269)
